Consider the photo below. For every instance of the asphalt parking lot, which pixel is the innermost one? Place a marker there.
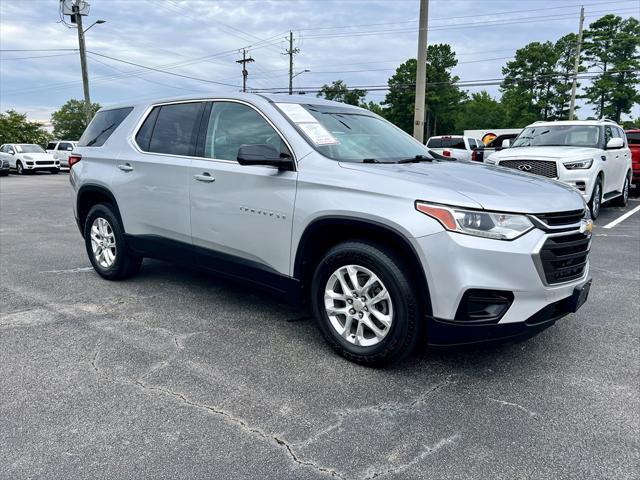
(174, 374)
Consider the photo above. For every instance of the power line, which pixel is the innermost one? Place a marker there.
(36, 56)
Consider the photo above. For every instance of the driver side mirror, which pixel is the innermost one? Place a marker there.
(615, 143)
(11, 152)
(264, 154)
(69, 149)
(506, 143)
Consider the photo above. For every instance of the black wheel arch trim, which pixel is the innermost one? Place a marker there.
(94, 188)
(335, 220)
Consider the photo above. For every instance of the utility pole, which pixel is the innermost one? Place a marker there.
(572, 105)
(291, 52)
(421, 73)
(245, 72)
(83, 62)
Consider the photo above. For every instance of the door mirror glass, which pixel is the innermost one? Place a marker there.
(11, 151)
(263, 154)
(506, 143)
(615, 142)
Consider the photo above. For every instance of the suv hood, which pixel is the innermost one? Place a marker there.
(488, 187)
(38, 156)
(545, 153)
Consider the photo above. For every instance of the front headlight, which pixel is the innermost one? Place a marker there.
(499, 226)
(579, 164)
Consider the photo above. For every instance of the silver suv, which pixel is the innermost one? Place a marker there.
(331, 205)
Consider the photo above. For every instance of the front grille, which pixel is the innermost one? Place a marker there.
(560, 219)
(44, 162)
(537, 167)
(564, 257)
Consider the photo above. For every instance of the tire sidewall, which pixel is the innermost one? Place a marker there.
(405, 308)
(597, 189)
(104, 211)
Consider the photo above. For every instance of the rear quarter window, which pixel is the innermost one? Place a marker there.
(102, 126)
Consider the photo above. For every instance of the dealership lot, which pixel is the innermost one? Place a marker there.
(175, 374)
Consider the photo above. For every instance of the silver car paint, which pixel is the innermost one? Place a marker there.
(233, 214)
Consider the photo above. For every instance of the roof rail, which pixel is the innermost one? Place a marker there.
(608, 120)
(540, 121)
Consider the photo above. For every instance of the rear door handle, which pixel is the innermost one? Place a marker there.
(125, 167)
(204, 177)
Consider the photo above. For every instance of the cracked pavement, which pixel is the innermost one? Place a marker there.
(176, 374)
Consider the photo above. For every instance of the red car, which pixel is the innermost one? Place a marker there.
(633, 138)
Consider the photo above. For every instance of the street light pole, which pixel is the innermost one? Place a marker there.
(83, 63)
(421, 74)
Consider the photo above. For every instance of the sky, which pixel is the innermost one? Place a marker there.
(358, 41)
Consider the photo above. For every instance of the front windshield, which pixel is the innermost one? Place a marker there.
(559, 135)
(29, 148)
(349, 135)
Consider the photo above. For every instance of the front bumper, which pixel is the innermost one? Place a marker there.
(456, 263)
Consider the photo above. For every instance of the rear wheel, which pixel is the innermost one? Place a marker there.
(596, 199)
(106, 246)
(364, 304)
(623, 199)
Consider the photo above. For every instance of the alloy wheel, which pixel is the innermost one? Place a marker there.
(103, 242)
(358, 305)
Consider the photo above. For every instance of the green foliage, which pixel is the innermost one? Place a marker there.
(70, 120)
(529, 82)
(375, 108)
(442, 95)
(611, 46)
(566, 49)
(479, 112)
(15, 128)
(339, 92)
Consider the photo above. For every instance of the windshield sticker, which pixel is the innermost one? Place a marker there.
(296, 113)
(318, 134)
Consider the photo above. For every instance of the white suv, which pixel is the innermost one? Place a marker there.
(590, 155)
(61, 151)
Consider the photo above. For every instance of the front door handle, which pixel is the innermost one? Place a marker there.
(204, 177)
(125, 167)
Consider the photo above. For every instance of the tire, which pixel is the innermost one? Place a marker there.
(595, 204)
(623, 199)
(55, 171)
(402, 311)
(19, 168)
(114, 263)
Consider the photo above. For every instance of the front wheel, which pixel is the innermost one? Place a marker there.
(19, 168)
(108, 251)
(364, 304)
(596, 200)
(55, 171)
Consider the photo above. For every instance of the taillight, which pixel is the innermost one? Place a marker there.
(74, 158)
(446, 153)
(474, 156)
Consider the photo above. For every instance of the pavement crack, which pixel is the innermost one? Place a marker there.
(429, 450)
(274, 439)
(531, 413)
(94, 358)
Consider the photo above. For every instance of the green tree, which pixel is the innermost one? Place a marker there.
(339, 92)
(479, 112)
(443, 96)
(611, 46)
(375, 108)
(530, 82)
(69, 121)
(15, 128)
(566, 49)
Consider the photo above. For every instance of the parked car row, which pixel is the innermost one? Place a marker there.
(25, 158)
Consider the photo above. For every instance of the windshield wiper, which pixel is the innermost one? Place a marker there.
(416, 159)
(373, 160)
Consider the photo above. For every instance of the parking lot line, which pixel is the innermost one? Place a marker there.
(621, 218)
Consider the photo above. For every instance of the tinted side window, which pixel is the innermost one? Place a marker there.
(102, 126)
(608, 134)
(65, 146)
(176, 129)
(472, 143)
(143, 138)
(434, 143)
(234, 124)
(51, 146)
